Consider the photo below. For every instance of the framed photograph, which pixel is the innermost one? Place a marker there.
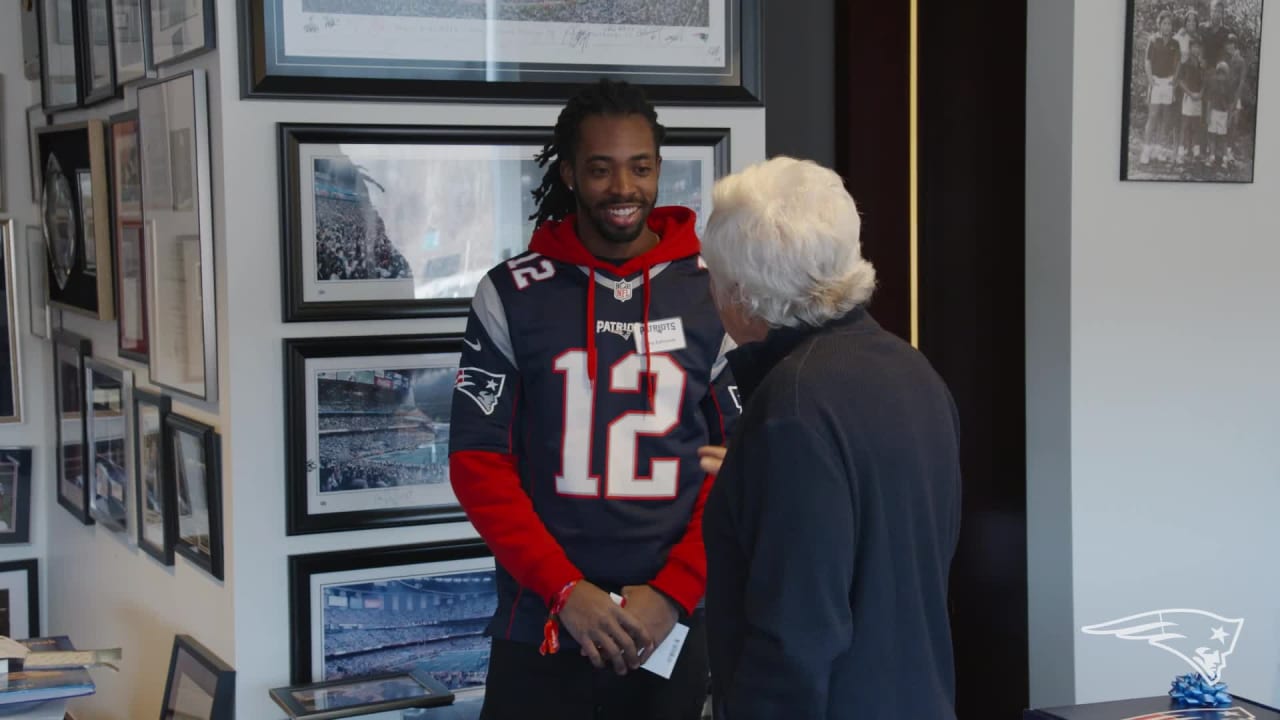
(156, 514)
(59, 61)
(35, 119)
(97, 52)
(130, 249)
(1192, 117)
(397, 222)
(15, 495)
(181, 336)
(131, 39)
(416, 608)
(30, 41)
(180, 29)
(76, 216)
(20, 598)
(10, 349)
(200, 685)
(106, 398)
(195, 484)
(683, 51)
(367, 431)
(69, 354)
(37, 284)
(361, 696)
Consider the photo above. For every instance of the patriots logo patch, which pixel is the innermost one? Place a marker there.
(482, 386)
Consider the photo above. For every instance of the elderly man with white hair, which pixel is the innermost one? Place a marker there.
(834, 517)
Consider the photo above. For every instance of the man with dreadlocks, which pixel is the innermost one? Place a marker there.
(592, 373)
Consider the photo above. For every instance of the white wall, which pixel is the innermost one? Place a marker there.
(1171, 388)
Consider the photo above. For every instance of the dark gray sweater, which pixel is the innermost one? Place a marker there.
(830, 531)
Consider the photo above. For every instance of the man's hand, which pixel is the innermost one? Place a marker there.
(606, 632)
(655, 610)
(710, 458)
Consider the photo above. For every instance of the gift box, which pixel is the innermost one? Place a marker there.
(1154, 708)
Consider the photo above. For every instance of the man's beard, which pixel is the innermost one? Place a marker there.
(608, 231)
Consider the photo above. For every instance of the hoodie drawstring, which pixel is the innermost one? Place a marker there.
(648, 383)
(591, 328)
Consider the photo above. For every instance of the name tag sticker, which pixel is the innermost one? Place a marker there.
(664, 336)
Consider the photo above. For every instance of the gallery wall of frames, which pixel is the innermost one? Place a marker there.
(119, 152)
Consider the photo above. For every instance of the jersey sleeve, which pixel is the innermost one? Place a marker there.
(483, 467)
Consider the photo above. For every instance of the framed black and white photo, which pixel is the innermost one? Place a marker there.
(37, 284)
(395, 221)
(195, 473)
(20, 597)
(69, 354)
(15, 495)
(35, 119)
(106, 398)
(156, 513)
(59, 60)
(367, 431)
(200, 686)
(683, 51)
(411, 608)
(361, 696)
(131, 38)
(98, 64)
(1191, 90)
(178, 234)
(180, 29)
(130, 248)
(10, 348)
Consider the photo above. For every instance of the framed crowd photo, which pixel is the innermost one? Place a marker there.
(195, 483)
(404, 221)
(35, 119)
(69, 354)
(107, 422)
(130, 254)
(15, 495)
(37, 284)
(10, 348)
(156, 514)
(180, 29)
(59, 62)
(367, 431)
(98, 62)
(684, 51)
(75, 213)
(200, 686)
(1191, 90)
(131, 40)
(173, 133)
(20, 598)
(420, 608)
(361, 696)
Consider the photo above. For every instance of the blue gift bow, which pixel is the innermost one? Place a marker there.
(1192, 690)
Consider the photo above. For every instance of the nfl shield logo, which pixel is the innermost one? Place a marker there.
(622, 291)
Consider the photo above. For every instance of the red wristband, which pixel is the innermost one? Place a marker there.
(551, 629)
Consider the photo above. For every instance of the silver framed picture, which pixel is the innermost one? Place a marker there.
(178, 234)
(180, 29)
(37, 284)
(131, 35)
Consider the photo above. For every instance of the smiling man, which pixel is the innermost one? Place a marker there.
(592, 372)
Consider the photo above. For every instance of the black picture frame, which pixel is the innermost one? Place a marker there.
(151, 463)
(305, 477)
(69, 354)
(106, 403)
(203, 549)
(208, 672)
(300, 301)
(310, 701)
(31, 569)
(133, 17)
(15, 498)
(376, 561)
(737, 79)
(11, 395)
(128, 237)
(97, 51)
(59, 46)
(170, 27)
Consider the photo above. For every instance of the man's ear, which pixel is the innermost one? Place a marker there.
(566, 173)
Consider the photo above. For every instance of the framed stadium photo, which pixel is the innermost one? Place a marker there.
(107, 423)
(404, 221)
(361, 696)
(69, 354)
(416, 608)
(200, 686)
(367, 431)
(195, 484)
(15, 495)
(683, 51)
(157, 517)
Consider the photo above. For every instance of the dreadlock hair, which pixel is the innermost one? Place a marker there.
(607, 97)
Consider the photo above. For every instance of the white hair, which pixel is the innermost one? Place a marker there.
(783, 242)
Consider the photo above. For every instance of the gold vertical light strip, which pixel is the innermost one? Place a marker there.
(914, 159)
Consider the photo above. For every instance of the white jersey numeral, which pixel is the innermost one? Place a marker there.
(525, 275)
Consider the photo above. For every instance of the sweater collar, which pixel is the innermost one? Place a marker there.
(752, 362)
